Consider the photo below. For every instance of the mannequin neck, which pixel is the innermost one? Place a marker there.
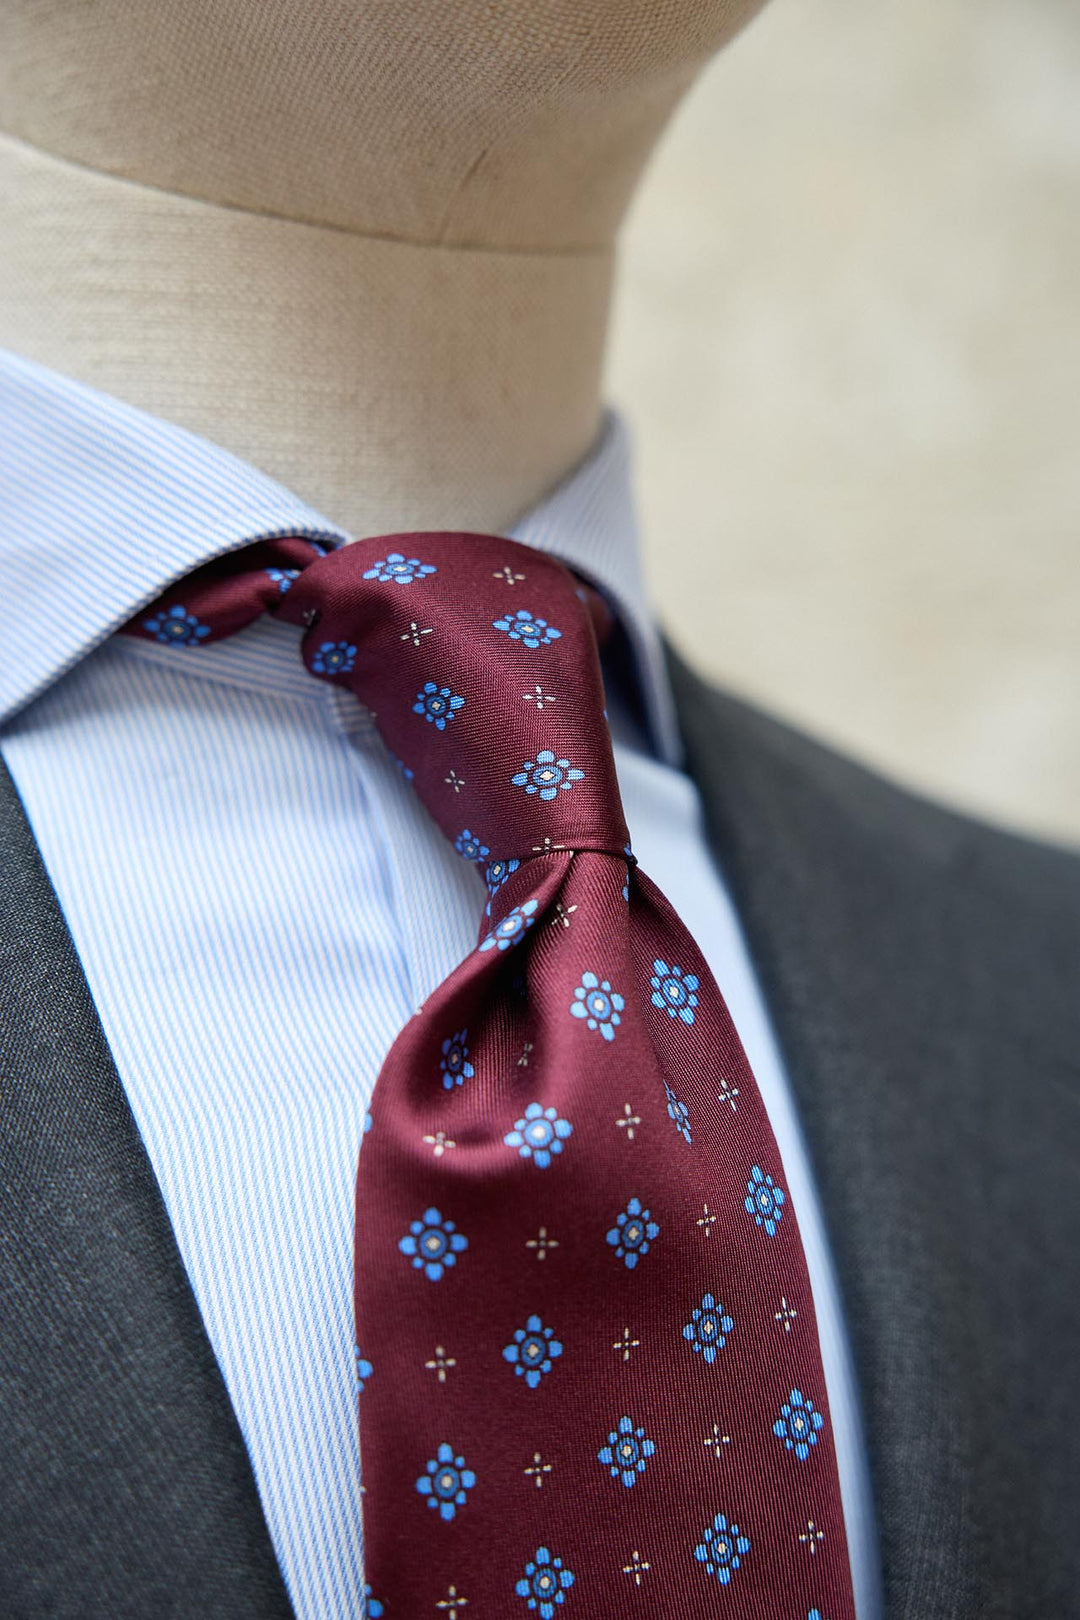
(366, 246)
(393, 385)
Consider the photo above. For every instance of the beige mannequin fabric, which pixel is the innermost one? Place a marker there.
(368, 247)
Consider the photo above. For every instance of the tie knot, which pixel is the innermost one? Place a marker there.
(479, 659)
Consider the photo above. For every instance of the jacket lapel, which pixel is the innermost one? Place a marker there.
(921, 971)
(126, 1488)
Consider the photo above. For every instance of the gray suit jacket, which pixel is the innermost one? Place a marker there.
(923, 973)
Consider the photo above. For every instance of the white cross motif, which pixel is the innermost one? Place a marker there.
(637, 1567)
(811, 1536)
(546, 847)
(455, 781)
(562, 915)
(523, 1060)
(440, 1363)
(538, 1469)
(717, 1441)
(452, 1604)
(707, 1222)
(439, 1143)
(626, 1344)
(542, 1243)
(507, 573)
(728, 1094)
(628, 1121)
(414, 632)
(785, 1315)
(538, 696)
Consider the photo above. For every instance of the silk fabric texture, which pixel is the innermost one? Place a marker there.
(577, 1395)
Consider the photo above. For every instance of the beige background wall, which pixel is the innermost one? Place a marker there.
(848, 341)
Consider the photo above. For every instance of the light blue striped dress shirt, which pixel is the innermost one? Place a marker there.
(196, 811)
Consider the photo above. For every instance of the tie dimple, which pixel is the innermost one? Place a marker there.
(589, 1374)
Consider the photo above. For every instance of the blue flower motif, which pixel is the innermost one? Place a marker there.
(632, 1233)
(433, 1244)
(283, 577)
(721, 1548)
(511, 929)
(364, 1371)
(403, 768)
(546, 775)
(674, 989)
(798, 1424)
(630, 863)
(399, 569)
(437, 704)
(178, 627)
(446, 1483)
(334, 658)
(526, 627)
(626, 1452)
(539, 1135)
(678, 1112)
(545, 1583)
(707, 1328)
(373, 1609)
(534, 1348)
(368, 1122)
(469, 846)
(815, 1614)
(764, 1201)
(495, 876)
(600, 1005)
(454, 1063)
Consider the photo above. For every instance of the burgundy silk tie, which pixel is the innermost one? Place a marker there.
(590, 1379)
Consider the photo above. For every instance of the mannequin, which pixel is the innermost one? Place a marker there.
(370, 250)
(368, 247)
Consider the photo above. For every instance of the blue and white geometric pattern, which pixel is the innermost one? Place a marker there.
(534, 1349)
(539, 1135)
(708, 1328)
(495, 875)
(545, 775)
(527, 628)
(177, 627)
(674, 989)
(437, 704)
(454, 1063)
(511, 928)
(400, 569)
(433, 1244)
(633, 1232)
(721, 1548)
(545, 1584)
(763, 1200)
(446, 1482)
(600, 1005)
(283, 577)
(334, 658)
(678, 1113)
(626, 1451)
(469, 846)
(798, 1424)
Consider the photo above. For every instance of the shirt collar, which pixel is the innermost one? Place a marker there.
(102, 506)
